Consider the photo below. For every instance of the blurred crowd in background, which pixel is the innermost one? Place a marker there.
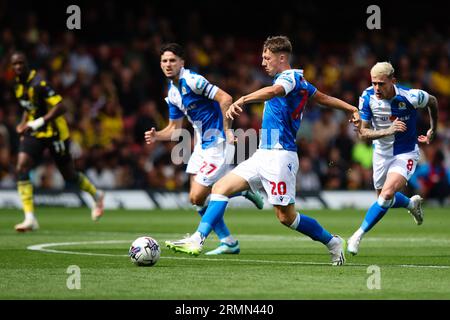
(114, 90)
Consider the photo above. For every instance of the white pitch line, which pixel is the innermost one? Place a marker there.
(43, 248)
(262, 237)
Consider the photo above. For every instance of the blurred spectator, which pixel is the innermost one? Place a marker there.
(147, 117)
(7, 179)
(336, 176)
(325, 129)
(307, 179)
(355, 177)
(47, 176)
(68, 76)
(129, 95)
(344, 143)
(433, 178)
(440, 78)
(99, 171)
(111, 123)
(82, 62)
(362, 153)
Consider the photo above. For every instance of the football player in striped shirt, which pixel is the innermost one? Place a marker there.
(43, 127)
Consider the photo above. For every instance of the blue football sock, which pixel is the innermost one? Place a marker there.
(311, 228)
(373, 215)
(214, 213)
(401, 201)
(202, 211)
(220, 228)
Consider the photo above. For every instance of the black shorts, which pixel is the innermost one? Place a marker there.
(34, 147)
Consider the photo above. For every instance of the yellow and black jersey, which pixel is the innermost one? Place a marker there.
(37, 98)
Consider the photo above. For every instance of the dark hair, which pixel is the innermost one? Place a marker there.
(278, 44)
(175, 48)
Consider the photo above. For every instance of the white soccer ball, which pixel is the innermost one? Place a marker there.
(144, 251)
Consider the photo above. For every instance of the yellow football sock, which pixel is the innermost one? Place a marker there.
(25, 189)
(87, 185)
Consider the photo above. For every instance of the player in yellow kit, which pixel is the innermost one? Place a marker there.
(43, 127)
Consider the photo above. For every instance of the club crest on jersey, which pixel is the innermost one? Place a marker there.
(402, 105)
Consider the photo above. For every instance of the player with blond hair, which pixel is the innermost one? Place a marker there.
(388, 113)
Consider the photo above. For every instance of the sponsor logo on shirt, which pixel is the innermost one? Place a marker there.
(392, 118)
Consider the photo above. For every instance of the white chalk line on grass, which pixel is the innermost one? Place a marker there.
(44, 248)
(259, 237)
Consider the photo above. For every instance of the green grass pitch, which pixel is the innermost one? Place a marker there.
(275, 262)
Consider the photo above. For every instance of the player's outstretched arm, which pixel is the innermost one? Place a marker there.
(432, 106)
(332, 102)
(225, 101)
(165, 134)
(263, 94)
(367, 133)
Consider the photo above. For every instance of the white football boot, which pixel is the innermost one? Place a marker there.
(27, 225)
(353, 244)
(192, 245)
(337, 248)
(417, 212)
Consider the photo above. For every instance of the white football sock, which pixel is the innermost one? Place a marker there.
(197, 237)
(359, 233)
(29, 216)
(332, 242)
(410, 204)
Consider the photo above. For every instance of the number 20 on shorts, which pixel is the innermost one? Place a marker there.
(279, 187)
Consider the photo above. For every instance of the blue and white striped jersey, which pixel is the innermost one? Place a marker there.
(282, 115)
(381, 113)
(194, 98)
